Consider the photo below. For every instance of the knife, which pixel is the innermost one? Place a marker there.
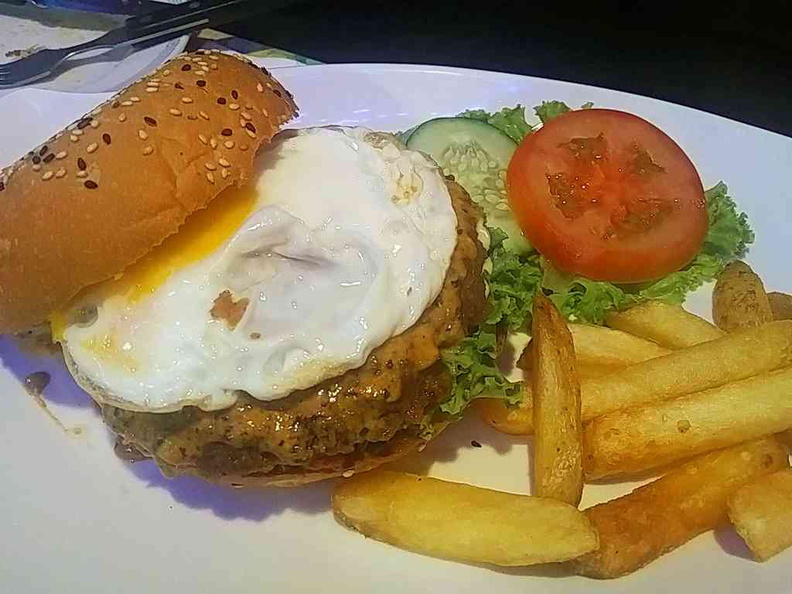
(125, 7)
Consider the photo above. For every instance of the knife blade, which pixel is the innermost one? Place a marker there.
(124, 7)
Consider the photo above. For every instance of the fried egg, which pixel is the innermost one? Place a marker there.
(341, 241)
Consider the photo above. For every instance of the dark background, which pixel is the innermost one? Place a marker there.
(730, 58)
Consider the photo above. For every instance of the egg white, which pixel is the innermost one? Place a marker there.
(349, 241)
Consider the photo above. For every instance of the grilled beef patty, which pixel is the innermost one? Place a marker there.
(330, 426)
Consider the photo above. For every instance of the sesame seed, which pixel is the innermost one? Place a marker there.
(81, 164)
(202, 63)
(151, 89)
(242, 123)
(259, 88)
(91, 185)
(36, 159)
(186, 100)
(74, 138)
(348, 473)
(49, 158)
(61, 155)
(213, 143)
(264, 112)
(60, 173)
(227, 132)
(210, 166)
(126, 103)
(148, 150)
(174, 112)
(233, 106)
(203, 114)
(153, 83)
(94, 124)
(201, 83)
(76, 133)
(96, 111)
(221, 100)
(179, 86)
(229, 144)
(122, 117)
(192, 117)
(224, 173)
(198, 72)
(150, 121)
(142, 135)
(214, 67)
(210, 177)
(250, 133)
(166, 73)
(243, 147)
(186, 67)
(36, 167)
(82, 174)
(251, 127)
(214, 58)
(235, 94)
(91, 148)
(224, 162)
(106, 138)
(202, 138)
(114, 104)
(47, 176)
(135, 99)
(277, 92)
(83, 123)
(246, 116)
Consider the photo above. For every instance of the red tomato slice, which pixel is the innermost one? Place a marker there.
(606, 195)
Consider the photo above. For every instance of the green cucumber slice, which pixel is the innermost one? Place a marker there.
(477, 155)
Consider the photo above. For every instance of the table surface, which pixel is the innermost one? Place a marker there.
(728, 57)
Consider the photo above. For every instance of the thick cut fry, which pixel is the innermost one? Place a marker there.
(707, 365)
(557, 449)
(641, 438)
(668, 325)
(739, 299)
(661, 516)
(513, 420)
(600, 346)
(731, 358)
(780, 305)
(462, 522)
(761, 512)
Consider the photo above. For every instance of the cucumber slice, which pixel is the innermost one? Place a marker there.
(477, 155)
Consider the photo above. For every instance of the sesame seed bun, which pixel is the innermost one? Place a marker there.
(102, 193)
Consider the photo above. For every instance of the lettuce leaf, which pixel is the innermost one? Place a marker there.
(550, 109)
(509, 120)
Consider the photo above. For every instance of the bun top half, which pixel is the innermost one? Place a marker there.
(100, 194)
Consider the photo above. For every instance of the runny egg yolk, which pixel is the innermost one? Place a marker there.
(201, 234)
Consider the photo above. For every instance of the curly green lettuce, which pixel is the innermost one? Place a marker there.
(516, 277)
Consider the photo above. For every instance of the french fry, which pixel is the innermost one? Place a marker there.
(761, 512)
(739, 299)
(461, 522)
(668, 325)
(605, 347)
(780, 305)
(513, 420)
(654, 519)
(730, 358)
(634, 440)
(700, 367)
(557, 450)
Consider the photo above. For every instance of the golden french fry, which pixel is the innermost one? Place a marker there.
(730, 358)
(557, 450)
(780, 305)
(654, 519)
(761, 512)
(700, 367)
(605, 347)
(513, 420)
(641, 438)
(461, 522)
(668, 325)
(739, 299)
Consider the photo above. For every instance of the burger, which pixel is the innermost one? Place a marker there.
(244, 304)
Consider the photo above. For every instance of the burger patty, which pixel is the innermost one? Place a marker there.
(327, 427)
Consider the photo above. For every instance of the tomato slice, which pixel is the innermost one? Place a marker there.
(606, 195)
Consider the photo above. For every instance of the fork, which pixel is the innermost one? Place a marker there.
(160, 25)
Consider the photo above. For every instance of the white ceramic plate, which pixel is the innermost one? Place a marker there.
(77, 519)
(22, 28)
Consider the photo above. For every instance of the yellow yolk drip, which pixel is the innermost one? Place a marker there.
(201, 234)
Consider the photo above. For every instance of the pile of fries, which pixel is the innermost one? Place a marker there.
(707, 408)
